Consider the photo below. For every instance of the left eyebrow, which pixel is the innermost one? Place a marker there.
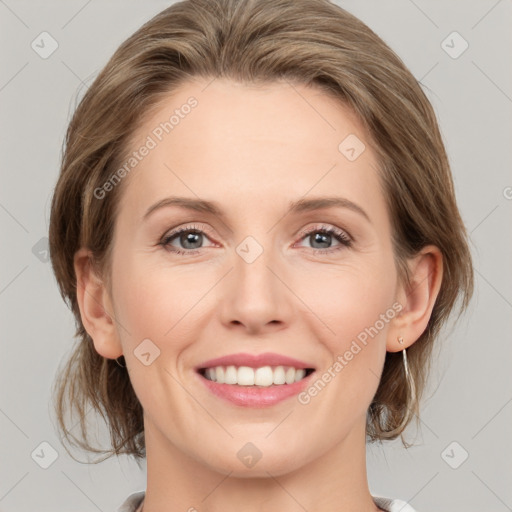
(318, 203)
(302, 205)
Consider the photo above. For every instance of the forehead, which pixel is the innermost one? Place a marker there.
(225, 139)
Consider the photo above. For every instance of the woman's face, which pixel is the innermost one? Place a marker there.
(254, 276)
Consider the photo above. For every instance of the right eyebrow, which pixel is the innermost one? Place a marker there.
(198, 205)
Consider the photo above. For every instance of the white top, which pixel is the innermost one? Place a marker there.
(134, 503)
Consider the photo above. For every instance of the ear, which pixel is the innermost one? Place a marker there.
(417, 298)
(96, 307)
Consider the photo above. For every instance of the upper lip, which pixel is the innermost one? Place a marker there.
(255, 361)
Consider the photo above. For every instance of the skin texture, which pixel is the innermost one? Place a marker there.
(253, 150)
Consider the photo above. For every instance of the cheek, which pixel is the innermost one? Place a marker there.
(350, 301)
(153, 298)
(159, 303)
(361, 310)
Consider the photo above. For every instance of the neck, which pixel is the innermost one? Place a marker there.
(333, 482)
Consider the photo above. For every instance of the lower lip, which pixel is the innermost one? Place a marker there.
(253, 396)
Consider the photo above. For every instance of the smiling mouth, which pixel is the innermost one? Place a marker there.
(263, 376)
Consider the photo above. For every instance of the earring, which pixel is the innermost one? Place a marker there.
(116, 360)
(408, 376)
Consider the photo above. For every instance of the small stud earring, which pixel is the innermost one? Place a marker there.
(401, 340)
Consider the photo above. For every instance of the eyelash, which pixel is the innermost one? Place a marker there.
(345, 240)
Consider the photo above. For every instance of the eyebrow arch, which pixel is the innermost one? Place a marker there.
(317, 203)
(302, 205)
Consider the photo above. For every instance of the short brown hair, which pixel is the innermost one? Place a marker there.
(311, 42)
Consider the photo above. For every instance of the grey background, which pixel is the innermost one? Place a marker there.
(470, 394)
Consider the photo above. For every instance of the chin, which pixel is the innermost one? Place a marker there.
(250, 460)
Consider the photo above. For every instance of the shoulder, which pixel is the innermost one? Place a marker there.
(132, 503)
(391, 505)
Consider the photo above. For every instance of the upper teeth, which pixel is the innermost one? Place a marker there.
(246, 376)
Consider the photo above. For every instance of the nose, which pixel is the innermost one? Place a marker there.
(255, 297)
